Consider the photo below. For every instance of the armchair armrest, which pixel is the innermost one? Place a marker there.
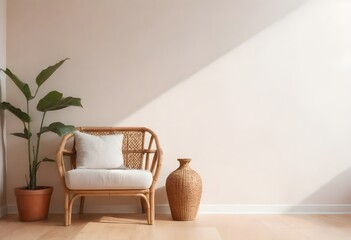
(61, 152)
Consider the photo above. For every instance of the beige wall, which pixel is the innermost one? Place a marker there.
(256, 92)
(269, 122)
(3, 209)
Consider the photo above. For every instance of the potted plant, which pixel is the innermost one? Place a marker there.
(33, 201)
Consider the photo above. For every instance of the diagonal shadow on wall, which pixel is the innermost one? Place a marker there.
(176, 39)
(324, 199)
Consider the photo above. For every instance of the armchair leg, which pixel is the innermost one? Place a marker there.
(66, 209)
(152, 207)
(142, 203)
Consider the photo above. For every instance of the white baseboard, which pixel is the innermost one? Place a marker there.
(213, 209)
(3, 211)
(276, 209)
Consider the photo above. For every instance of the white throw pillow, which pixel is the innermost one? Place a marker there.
(99, 152)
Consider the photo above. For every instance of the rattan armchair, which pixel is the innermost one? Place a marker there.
(141, 150)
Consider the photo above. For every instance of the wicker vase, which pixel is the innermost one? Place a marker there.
(184, 188)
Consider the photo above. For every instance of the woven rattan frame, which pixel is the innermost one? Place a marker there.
(141, 150)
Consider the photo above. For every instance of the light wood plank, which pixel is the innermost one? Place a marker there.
(205, 227)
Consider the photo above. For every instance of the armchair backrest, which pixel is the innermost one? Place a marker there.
(140, 148)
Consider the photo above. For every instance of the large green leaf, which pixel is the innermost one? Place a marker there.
(26, 134)
(58, 128)
(46, 73)
(24, 117)
(54, 101)
(21, 85)
(51, 99)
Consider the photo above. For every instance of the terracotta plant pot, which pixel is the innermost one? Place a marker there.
(33, 205)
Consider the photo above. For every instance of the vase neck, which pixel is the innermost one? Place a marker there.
(184, 162)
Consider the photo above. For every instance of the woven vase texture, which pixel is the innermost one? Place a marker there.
(184, 189)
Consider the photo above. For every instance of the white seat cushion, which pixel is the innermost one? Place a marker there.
(108, 179)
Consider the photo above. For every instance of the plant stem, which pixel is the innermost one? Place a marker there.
(36, 152)
(29, 151)
(33, 180)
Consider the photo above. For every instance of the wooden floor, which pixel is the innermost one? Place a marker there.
(205, 227)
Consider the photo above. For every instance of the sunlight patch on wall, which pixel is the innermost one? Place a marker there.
(259, 120)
